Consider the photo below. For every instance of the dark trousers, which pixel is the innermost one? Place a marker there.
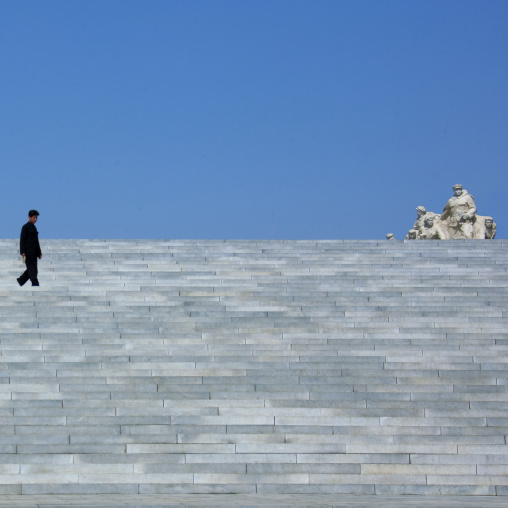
(30, 272)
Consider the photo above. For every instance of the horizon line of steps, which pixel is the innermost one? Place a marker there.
(187, 366)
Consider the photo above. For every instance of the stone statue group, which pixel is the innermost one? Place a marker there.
(457, 221)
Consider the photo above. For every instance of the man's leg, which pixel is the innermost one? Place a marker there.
(31, 267)
(23, 278)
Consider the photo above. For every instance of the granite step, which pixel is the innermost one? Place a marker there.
(255, 367)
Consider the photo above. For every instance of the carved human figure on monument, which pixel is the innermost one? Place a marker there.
(459, 213)
(390, 236)
(432, 230)
(412, 234)
(422, 215)
(484, 228)
(421, 211)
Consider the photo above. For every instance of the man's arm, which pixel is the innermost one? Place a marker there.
(39, 251)
(471, 207)
(22, 241)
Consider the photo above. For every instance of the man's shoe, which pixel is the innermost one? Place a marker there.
(19, 282)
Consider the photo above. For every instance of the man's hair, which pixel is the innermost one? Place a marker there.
(32, 213)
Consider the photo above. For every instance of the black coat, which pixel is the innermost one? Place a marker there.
(29, 241)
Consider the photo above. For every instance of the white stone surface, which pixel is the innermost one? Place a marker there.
(244, 367)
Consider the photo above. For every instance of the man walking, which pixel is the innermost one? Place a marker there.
(30, 249)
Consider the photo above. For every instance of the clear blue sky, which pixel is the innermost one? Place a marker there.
(249, 118)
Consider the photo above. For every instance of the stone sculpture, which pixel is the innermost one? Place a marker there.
(484, 228)
(421, 212)
(422, 215)
(459, 213)
(457, 221)
(432, 230)
(390, 236)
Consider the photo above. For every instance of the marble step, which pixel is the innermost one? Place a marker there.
(255, 366)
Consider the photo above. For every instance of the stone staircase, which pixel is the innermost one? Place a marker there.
(355, 367)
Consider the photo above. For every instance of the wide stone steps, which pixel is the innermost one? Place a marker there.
(266, 367)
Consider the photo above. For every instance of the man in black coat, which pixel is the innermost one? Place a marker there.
(30, 249)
